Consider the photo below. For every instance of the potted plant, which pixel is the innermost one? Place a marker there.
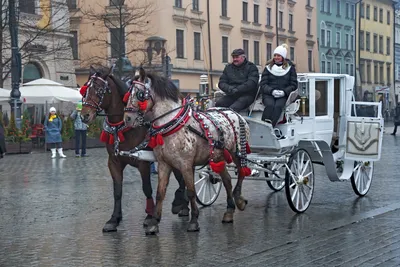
(93, 133)
(24, 133)
(67, 132)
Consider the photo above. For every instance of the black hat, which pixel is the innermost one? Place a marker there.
(238, 52)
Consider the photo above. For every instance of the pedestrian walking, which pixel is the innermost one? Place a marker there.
(396, 118)
(52, 127)
(80, 131)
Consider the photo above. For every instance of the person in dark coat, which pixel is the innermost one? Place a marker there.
(239, 82)
(52, 127)
(396, 118)
(278, 80)
(80, 131)
(2, 141)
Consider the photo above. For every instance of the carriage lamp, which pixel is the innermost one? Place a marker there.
(303, 92)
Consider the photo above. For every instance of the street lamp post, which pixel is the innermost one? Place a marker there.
(15, 94)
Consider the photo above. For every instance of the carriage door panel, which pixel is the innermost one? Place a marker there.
(364, 134)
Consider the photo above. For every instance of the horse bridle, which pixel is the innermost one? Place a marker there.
(100, 93)
(141, 95)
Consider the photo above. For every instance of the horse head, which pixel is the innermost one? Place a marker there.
(145, 92)
(98, 94)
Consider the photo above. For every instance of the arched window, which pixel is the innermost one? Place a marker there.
(31, 72)
(323, 34)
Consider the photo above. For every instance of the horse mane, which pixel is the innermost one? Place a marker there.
(121, 86)
(102, 71)
(163, 87)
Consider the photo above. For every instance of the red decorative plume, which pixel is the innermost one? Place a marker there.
(217, 167)
(143, 105)
(126, 97)
(83, 90)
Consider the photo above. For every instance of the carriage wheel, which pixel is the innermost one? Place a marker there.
(207, 188)
(299, 181)
(277, 185)
(362, 177)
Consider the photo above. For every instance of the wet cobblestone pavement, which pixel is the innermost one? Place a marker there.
(52, 213)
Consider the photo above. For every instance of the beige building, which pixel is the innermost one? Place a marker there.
(181, 28)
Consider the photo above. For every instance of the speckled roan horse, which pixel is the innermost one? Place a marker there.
(182, 138)
(105, 92)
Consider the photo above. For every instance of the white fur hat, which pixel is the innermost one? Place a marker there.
(52, 109)
(281, 50)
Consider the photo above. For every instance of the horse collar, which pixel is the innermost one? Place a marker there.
(110, 130)
(178, 122)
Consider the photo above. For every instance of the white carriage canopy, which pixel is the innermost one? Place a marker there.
(4, 95)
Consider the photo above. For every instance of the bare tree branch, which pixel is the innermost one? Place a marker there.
(125, 25)
(35, 31)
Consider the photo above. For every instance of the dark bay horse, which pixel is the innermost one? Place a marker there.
(182, 138)
(105, 92)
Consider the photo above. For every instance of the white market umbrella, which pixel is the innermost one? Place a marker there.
(4, 95)
(43, 90)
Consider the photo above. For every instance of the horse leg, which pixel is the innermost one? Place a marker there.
(188, 175)
(116, 169)
(240, 201)
(144, 169)
(230, 209)
(164, 171)
(180, 205)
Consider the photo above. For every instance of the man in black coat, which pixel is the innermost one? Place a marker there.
(239, 82)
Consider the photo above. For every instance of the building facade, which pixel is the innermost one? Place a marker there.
(44, 40)
(375, 49)
(336, 36)
(199, 36)
(397, 55)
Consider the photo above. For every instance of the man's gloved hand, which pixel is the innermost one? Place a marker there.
(278, 93)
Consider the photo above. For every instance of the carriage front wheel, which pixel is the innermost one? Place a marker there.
(362, 177)
(207, 187)
(299, 181)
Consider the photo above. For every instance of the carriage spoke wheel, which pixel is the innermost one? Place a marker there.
(277, 185)
(299, 181)
(362, 177)
(207, 187)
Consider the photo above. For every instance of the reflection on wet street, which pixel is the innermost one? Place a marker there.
(52, 213)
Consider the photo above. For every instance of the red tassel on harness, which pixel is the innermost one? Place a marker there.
(126, 97)
(142, 105)
(248, 151)
(83, 90)
(227, 156)
(111, 139)
(104, 136)
(217, 167)
(121, 136)
(245, 171)
(152, 142)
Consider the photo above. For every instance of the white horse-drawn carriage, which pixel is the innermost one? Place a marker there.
(320, 126)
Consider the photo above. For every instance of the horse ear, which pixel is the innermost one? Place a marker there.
(142, 74)
(111, 70)
(92, 71)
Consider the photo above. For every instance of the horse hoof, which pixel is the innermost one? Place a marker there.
(110, 227)
(184, 212)
(228, 217)
(147, 220)
(193, 227)
(152, 230)
(241, 203)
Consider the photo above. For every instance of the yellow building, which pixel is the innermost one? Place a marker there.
(181, 28)
(375, 46)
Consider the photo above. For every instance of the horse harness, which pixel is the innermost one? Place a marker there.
(100, 93)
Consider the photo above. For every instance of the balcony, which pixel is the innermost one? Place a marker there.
(180, 15)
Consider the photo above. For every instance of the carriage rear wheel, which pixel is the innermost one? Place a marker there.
(207, 187)
(362, 177)
(299, 181)
(277, 185)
